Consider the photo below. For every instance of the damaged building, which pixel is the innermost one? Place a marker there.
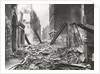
(74, 13)
(14, 30)
(67, 43)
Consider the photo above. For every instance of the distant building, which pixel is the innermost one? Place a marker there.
(45, 33)
(28, 29)
(35, 25)
(31, 22)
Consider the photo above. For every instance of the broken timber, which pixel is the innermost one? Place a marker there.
(75, 66)
(80, 40)
(87, 27)
(58, 33)
(27, 40)
(37, 36)
(73, 27)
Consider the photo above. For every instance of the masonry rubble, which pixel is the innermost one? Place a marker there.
(50, 57)
(53, 56)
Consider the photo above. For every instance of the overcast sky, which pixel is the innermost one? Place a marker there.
(42, 11)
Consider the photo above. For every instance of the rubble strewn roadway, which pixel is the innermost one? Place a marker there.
(51, 57)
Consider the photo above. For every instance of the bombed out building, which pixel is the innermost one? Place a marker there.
(14, 30)
(18, 27)
(74, 13)
(67, 43)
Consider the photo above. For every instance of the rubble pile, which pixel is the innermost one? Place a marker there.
(49, 57)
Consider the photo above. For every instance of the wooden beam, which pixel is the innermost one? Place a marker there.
(27, 40)
(75, 66)
(37, 36)
(58, 33)
(87, 27)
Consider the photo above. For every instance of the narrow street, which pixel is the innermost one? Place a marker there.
(47, 37)
(44, 56)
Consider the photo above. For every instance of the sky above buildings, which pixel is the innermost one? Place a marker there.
(42, 11)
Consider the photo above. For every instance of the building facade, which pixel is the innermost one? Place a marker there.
(70, 13)
(35, 25)
(14, 30)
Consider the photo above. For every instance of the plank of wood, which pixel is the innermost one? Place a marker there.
(58, 33)
(87, 27)
(27, 40)
(72, 65)
(37, 36)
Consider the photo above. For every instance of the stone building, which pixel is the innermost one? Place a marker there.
(89, 14)
(35, 25)
(8, 30)
(70, 13)
(31, 22)
(14, 30)
(62, 13)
